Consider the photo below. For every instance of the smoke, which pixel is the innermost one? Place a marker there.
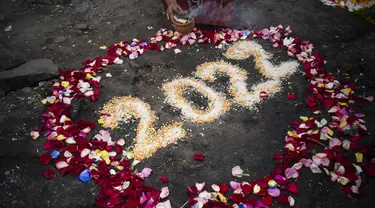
(195, 8)
(245, 12)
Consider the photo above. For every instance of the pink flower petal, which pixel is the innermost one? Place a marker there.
(306, 162)
(34, 134)
(291, 173)
(166, 204)
(164, 192)
(291, 201)
(146, 172)
(177, 51)
(61, 164)
(334, 142)
(118, 61)
(315, 169)
(325, 162)
(297, 166)
(200, 186)
(121, 142)
(85, 152)
(237, 171)
(215, 187)
(234, 185)
(274, 192)
(317, 161)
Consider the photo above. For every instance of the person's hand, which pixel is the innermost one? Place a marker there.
(172, 10)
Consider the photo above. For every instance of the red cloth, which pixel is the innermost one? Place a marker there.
(212, 12)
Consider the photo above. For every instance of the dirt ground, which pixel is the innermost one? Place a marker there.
(74, 31)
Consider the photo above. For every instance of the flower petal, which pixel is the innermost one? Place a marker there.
(234, 185)
(164, 192)
(164, 179)
(166, 204)
(200, 186)
(237, 171)
(49, 174)
(34, 134)
(61, 164)
(146, 172)
(199, 157)
(274, 192)
(291, 96)
(291, 173)
(45, 159)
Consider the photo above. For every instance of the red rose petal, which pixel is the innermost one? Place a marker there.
(164, 179)
(199, 157)
(49, 174)
(223, 188)
(267, 200)
(283, 199)
(45, 159)
(192, 190)
(247, 189)
(292, 187)
(291, 96)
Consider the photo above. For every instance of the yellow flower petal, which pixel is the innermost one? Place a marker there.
(93, 168)
(105, 156)
(304, 118)
(330, 132)
(103, 47)
(272, 183)
(343, 104)
(100, 121)
(64, 83)
(359, 157)
(343, 123)
(88, 76)
(346, 91)
(61, 137)
(221, 197)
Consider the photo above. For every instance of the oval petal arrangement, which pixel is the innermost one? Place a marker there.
(334, 125)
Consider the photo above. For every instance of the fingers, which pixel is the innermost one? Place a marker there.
(169, 13)
(178, 8)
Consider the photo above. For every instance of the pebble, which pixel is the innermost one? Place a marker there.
(7, 173)
(44, 48)
(59, 39)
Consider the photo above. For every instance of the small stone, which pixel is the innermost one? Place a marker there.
(44, 48)
(81, 26)
(9, 28)
(28, 74)
(59, 39)
(7, 173)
